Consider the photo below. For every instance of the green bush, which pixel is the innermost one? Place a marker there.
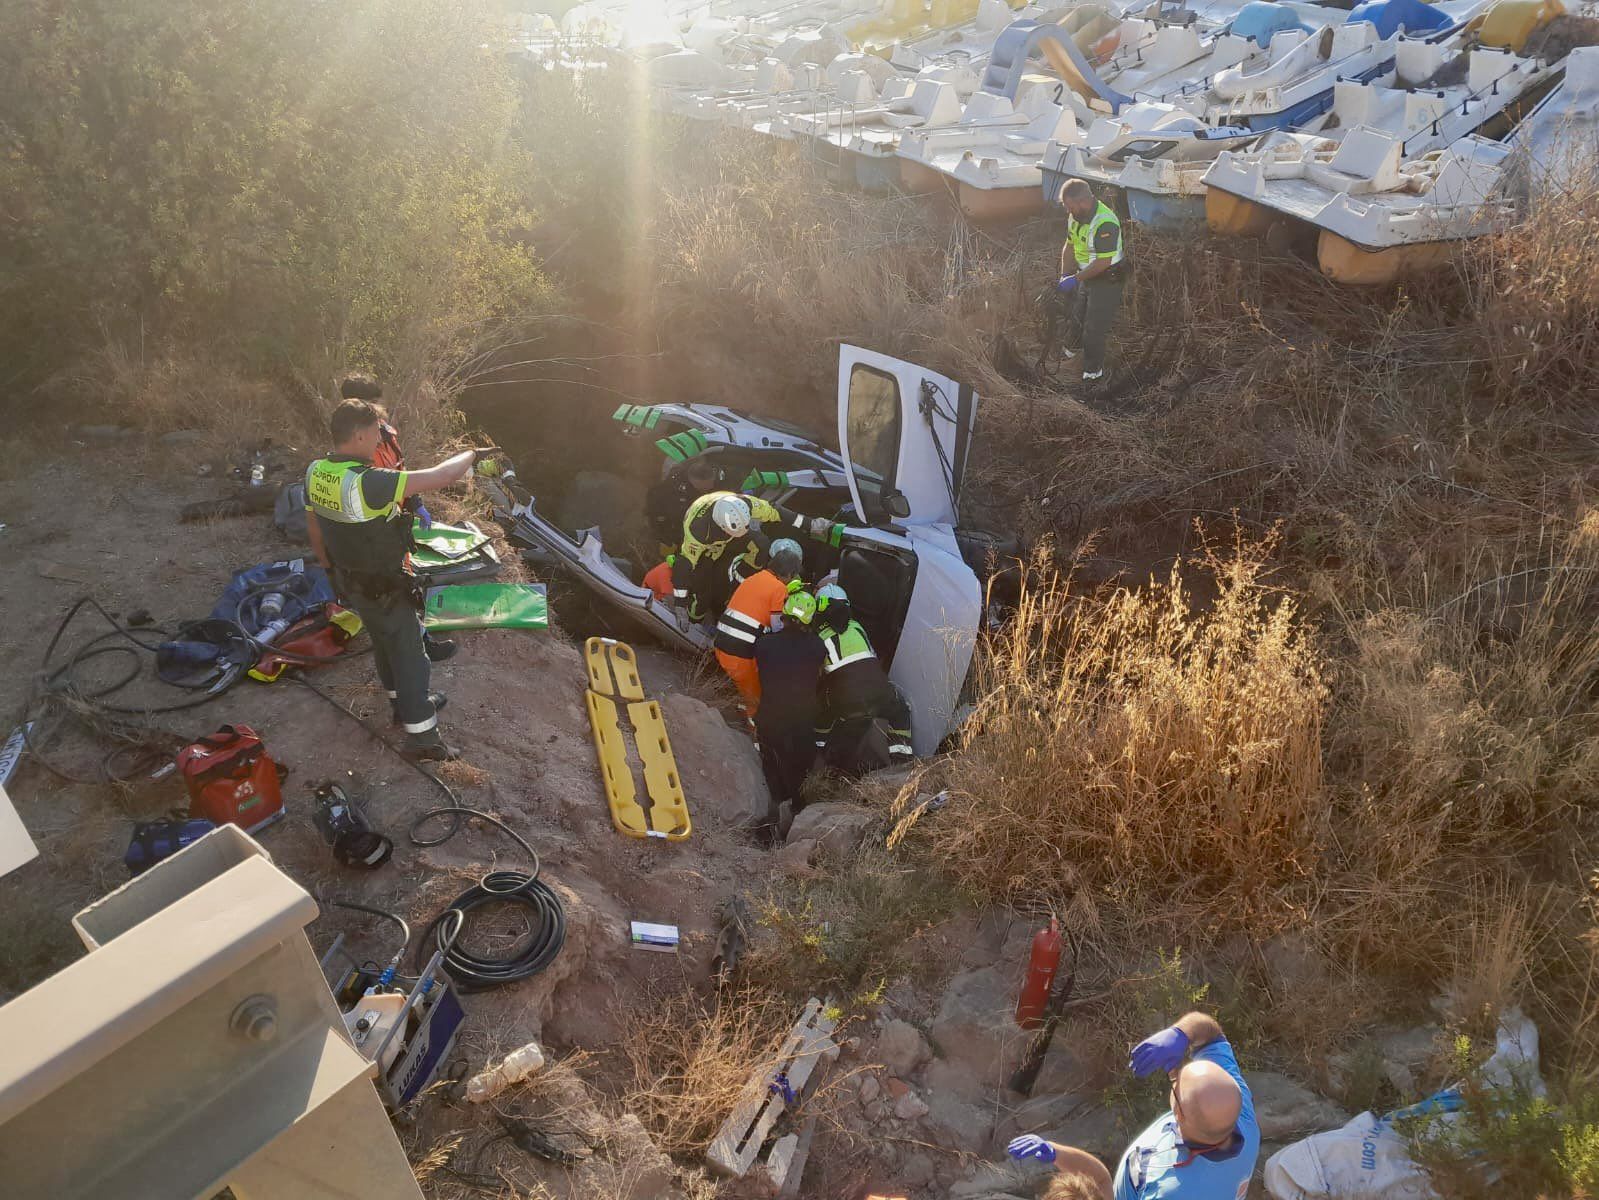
(1513, 1145)
(292, 185)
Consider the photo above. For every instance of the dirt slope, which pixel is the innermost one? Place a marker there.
(107, 511)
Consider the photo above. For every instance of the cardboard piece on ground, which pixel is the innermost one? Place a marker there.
(16, 847)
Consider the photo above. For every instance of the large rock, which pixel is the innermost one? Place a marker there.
(957, 1119)
(1035, 1115)
(1102, 1131)
(975, 1028)
(635, 1168)
(718, 765)
(1399, 1056)
(901, 1048)
(1064, 1072)
(917, 1170)
(837, 829)
(1284, 1108)
(1406, 1054)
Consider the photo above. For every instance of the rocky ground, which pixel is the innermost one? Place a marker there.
(918, 1106)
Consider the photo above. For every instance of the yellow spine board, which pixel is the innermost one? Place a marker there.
(617, 774)
(668, 805)
(599, 667)
(613, 671)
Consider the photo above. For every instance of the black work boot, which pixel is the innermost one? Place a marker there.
(437, 699)
(438, 649)
(428, 747)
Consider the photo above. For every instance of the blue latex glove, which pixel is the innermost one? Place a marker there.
(423, 517)
(1030, 1145)
(1163, 1051)
(1067, 285)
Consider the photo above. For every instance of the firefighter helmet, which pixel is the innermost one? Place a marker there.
(731, 514)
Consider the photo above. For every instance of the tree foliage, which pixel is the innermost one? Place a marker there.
(294, 183)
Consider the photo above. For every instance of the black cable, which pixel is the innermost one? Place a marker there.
(59, 690)
(547, 917)
(405, 930)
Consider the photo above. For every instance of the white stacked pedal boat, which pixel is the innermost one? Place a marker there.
(1401, 169)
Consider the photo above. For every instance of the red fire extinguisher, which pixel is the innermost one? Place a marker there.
(1040, 977)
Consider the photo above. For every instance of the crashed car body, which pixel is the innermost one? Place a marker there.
(894, 483)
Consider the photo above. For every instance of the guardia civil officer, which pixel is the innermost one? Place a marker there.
(360, 531)
(1093, 274)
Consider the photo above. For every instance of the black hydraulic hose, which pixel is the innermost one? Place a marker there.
(405, 930)
(254, 593)
(546, 916)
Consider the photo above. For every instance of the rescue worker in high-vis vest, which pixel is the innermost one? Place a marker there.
(704, 573)
(865, 723)
(359, 386)
(667, 501)
(749, 614)
(1093, 274)
(788, 661)
(361, 532)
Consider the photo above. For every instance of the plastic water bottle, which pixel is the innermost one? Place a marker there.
(516, 1066)
(257, 473)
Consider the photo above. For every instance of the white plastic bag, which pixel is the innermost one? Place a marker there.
(1367, 1159)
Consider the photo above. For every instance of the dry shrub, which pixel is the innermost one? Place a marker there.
(759, 250)
(1537, 292)
(1165, 757)
(692, 1060)
(166, 391)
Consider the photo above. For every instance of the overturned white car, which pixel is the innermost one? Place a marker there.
(913, 577)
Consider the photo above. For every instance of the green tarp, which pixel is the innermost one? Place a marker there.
(487, 606)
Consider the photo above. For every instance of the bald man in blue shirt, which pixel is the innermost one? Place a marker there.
(1205, 1147)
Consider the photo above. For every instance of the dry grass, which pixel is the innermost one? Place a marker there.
(693, 1059)
(160, 391)
(1163, 758)
(760, 251)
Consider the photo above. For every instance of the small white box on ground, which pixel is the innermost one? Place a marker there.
(647, 936)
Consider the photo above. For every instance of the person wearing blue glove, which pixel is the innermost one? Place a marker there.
(1095, 258)
(1078, 1174)
(423, 517)
(1204, 1148)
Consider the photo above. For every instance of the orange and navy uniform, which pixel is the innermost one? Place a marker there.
(748, 615)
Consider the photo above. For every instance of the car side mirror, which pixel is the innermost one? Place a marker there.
(895, 504)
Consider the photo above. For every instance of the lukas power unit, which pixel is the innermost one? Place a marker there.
(407, 1026)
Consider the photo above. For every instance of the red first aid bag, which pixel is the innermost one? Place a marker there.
(231, 778)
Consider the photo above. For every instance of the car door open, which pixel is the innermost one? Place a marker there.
(905, 435)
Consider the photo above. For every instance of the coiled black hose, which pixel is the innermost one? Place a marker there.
(546, 917)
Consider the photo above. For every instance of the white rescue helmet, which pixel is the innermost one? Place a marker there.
(731, 514)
